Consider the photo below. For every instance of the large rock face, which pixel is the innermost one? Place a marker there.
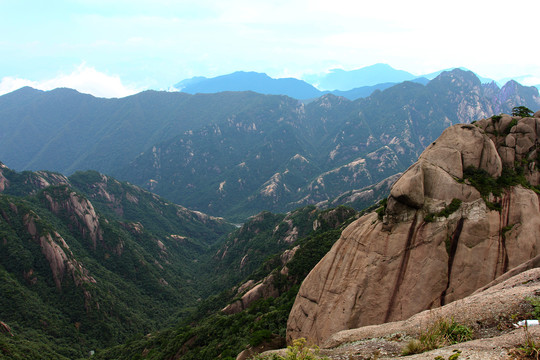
(415, 258)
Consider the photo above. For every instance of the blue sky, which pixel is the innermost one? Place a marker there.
(115, 48)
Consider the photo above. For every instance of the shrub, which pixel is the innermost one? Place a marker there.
(529, 349)
(535, 302)
(442, 333)
(446, 212)
(297, 351)
(510, 126)
(259, 337)
(482, 181)
(450, 208)
(382, 209)
(414, 346)
(486, 184)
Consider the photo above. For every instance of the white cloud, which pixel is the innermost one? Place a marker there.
(9, 84)
(160, 42)
(84, 79)
(531, 80)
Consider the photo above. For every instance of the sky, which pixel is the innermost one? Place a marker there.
(115, 48)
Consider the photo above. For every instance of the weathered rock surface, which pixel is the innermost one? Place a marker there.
(81, 214)
(5, 328)
(58, 254)
(262, 290)
(36, 180)
(490, 313)
(388, 270)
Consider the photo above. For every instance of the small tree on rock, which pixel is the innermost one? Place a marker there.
(521, 111)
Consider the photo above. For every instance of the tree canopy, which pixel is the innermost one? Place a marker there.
(522, 111)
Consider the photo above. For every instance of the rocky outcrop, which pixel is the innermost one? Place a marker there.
(33, 181)
(491, 313)
(424, 253)
(43, 179)
(79, 210)
(3, 181)
(58, 254)
(5, 328)
(500, 306)
(264, 289)
(261, 290)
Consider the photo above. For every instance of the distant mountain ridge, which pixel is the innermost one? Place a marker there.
(305, 154)
(339, 79)
(250, 81)
(234, 154)
(366, 83)
(352, 84)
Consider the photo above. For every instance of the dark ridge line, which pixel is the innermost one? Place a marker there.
(402, 268)
(453, 249)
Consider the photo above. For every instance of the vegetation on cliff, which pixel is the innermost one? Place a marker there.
(132, 263)
(77, 278)
(211, 333)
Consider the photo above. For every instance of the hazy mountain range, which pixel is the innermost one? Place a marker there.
(353, 84)
(234, 154)
(263, 84)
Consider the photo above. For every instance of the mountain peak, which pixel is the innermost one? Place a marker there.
(367, 76)
(455, 78)
(250, 81)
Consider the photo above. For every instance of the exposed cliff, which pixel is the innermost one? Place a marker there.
(464, 214)
(58, 254)
(80, 212)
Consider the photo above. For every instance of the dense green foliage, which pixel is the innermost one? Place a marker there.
(134, 263)
(211, 334)
(263, 236)
(216, 336)
(521, 111)
(156, 214)
(447, 211)
(131, 277)
(486, 184)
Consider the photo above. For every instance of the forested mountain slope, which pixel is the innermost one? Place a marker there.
(285, 157)
(87, 262)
